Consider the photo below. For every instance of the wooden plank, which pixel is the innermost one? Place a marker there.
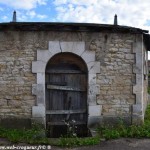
(58, 83)
(66, 88)
(66, 92)
(79, 111)
(63, 123)
(64, 71)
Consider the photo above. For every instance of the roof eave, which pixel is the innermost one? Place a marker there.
(57, 26)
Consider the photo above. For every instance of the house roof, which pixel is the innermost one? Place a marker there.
(34, 26)
(90, 27)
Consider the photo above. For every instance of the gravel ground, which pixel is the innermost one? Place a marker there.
(118, 144)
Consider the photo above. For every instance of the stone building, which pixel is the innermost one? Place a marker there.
(89, 73)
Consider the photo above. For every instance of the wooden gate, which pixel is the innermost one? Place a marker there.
(66, 94)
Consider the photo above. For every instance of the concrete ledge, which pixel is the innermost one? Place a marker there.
(21, 123)
(73, 47)
(92, 100)
(40, 79)
(38, 121)
(92, 79)
(94, 89)
(39, 91)
(95, 110)
(137, 46)
(94, 67)
(34, 89)
(43, 55)
(38, 112)
(54, 47)
(137, 89)
(88, 56)
(139, 59)
(137, 109)
(114, 120)
(38, 66)
(137, 69)
(16, 123)
(138, 98)
(40, 94)
(139, 79)
(94, 122)
(137, 119)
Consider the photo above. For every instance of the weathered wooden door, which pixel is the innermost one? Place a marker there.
(66, 94)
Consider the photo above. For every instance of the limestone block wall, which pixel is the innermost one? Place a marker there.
(120, 78)
(116, 80)
(16, 56)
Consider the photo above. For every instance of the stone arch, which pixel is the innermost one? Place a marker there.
(38, 67)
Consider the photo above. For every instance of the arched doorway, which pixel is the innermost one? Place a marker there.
(66, 94)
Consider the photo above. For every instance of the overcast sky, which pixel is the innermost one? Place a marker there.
(130, 12)
(135, 13)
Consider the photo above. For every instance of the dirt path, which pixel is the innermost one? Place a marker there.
(119, 144)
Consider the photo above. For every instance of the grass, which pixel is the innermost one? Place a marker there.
(36, 134)
(73, 142)
(121, 130)
(18, 135)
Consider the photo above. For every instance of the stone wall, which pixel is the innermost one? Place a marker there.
(16, 56)
(116, 79)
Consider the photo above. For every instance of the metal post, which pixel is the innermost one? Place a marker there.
(14, 17)
(115, 20)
